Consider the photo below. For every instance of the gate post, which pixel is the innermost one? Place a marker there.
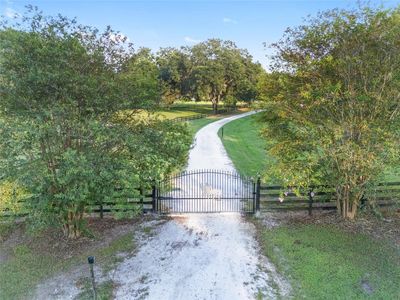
(310, 201)
(258, 188)
(153, 197)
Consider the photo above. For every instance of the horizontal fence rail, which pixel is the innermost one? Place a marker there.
(200, 116)
(143, 202)
(323, 197)
(252, 196)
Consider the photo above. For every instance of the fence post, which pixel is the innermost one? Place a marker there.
(101, 211)
(310, 201)
(258, 188)
(141, 190)
(363, 201)
(153, 197)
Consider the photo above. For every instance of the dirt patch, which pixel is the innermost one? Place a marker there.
(52, 241)
(386, 227)
(110, 240)
(112, 251)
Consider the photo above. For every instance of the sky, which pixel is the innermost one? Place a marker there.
(163, 23)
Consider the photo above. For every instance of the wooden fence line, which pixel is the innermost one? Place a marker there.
(199, 116)
(142, 201)
(270, 198)
(321, 197)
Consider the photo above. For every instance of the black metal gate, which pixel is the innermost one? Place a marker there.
(206, 191)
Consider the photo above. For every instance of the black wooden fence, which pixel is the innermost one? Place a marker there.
(190, 118)
(267, 198)
(200, 116)
(275, 198)
(143, 201)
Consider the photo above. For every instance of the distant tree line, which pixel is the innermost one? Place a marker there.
(214, 70)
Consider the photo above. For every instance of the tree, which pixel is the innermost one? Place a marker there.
(175, 73)
(213, 70)
(246, 89)
(65, 138)
(219, 68)
(140, 73)
(332, 102)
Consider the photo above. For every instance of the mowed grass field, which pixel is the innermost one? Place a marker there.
(245, 147)
(323, 262)
(190, 109)
(186, 109)
(196, 125)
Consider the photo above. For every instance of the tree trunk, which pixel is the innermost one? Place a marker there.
(347, 203)
(215, 107)
(73, 225)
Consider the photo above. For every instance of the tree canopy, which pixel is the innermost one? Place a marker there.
(213, 70)
(65, 138)
(332, 102)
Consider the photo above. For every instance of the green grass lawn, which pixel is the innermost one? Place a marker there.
(192, 107)
(187, 109)
(326, 263)
(321, 262)
(245, 147)
(196, 125)
(27, 267)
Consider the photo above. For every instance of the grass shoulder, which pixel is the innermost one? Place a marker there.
(30, 260)
(244, 145)
(196, 125)
(325, 262)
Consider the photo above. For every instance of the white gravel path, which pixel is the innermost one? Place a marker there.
(201, 256)
(208, 151)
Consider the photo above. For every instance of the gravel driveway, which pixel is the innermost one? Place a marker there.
(201, 256)
(208, 151)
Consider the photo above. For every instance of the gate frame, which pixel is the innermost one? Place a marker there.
(256, 187)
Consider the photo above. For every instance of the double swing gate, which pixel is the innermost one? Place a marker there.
(206, 191)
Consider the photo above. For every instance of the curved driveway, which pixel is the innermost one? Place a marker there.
(201, 256)
(208, 151)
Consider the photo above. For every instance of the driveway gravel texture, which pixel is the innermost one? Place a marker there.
(201, 256)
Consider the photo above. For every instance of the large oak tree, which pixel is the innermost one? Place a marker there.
(213, 70)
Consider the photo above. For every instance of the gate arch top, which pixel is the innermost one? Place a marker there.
(206, 190)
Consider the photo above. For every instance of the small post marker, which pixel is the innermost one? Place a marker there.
(222, 131)
(91, 263)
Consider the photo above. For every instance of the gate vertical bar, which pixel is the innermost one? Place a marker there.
(258, 189)
(153, 197)
(254, 195)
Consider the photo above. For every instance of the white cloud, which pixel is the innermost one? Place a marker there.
(11, 13)
(229, 20)
(191, 40)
